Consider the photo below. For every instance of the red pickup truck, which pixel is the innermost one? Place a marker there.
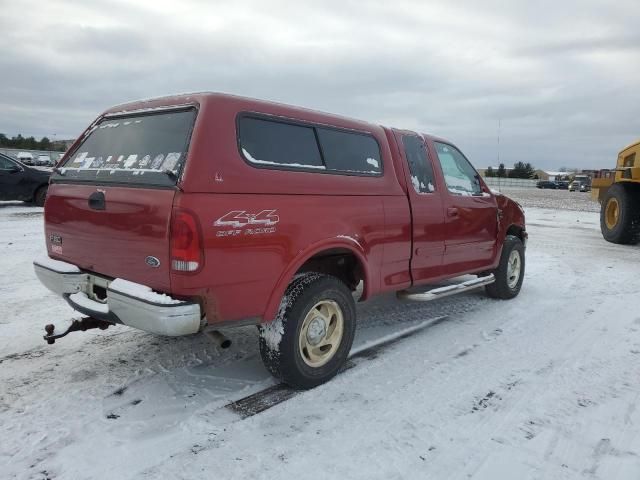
(206, 211)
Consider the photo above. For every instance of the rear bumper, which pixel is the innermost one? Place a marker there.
(131, 304)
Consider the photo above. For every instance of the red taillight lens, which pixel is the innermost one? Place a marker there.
(186, 242)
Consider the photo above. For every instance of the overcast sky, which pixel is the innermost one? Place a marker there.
(562, 77)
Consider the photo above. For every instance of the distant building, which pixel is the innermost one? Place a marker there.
(538, 174)
(603, 173)
(552, 176)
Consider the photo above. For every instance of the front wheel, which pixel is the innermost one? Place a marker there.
(510, 272)
(312, 334)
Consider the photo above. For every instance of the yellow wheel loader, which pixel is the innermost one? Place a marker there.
(619, 197)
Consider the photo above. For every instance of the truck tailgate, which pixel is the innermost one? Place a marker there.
(126, 237)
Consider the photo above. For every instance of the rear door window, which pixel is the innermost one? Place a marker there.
(138, 149)
(419, 164)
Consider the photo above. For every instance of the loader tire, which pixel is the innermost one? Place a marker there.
(620, 214)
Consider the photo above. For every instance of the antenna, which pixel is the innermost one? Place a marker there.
(499, 121)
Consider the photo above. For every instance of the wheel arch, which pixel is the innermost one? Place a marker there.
(517, 231)
(325, 256)
(630, 185)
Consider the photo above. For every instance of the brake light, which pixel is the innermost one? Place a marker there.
(187, 253)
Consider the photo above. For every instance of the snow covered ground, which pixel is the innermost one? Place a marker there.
(541, 387)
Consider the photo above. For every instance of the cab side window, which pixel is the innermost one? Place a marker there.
(460, 177)
(419, 164)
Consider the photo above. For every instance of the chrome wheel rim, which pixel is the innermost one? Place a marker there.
(513, 269)
(321, 333)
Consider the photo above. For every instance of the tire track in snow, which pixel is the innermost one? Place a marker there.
(271, 396)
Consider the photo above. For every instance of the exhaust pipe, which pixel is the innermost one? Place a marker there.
(219, 338)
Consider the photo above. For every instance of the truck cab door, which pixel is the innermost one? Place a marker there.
(471, 214)
(428, 227)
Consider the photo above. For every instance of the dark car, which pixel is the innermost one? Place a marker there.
(563, 184)
(20, 182)
(546, 184)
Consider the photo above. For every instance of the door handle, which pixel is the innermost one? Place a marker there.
(452, 212)
(96, 201)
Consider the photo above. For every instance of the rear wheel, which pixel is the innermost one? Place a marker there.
(510, 272)
(312, 334)
(40, 196)
(620, 215)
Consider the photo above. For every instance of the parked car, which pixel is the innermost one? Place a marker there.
(200, 212)
(25, 157)
(44, 161)
(22, 182)
(562, 184)
(546, 184)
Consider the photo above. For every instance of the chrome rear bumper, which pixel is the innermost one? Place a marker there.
(134, 307)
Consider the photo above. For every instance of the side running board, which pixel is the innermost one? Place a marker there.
(446, 291)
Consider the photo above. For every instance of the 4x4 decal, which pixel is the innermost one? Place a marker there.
(239, 219)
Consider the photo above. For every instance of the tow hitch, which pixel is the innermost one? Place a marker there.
(83, 324)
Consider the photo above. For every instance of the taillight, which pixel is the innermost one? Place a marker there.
(187, 253)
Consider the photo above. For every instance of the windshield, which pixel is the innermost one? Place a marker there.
(143, 149)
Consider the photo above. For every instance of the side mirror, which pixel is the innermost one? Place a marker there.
(479, 183)
(14, 169)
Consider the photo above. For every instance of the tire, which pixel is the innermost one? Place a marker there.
(40, 196)
(506, 287)
(620, 215)
(287, 345)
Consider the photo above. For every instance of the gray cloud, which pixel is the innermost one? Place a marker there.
(560, 77)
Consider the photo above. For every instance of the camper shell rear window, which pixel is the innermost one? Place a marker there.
(147, 148)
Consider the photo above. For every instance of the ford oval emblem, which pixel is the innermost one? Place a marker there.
(152, 262)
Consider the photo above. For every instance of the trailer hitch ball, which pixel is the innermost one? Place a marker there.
(49, 329)
(83, 325)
